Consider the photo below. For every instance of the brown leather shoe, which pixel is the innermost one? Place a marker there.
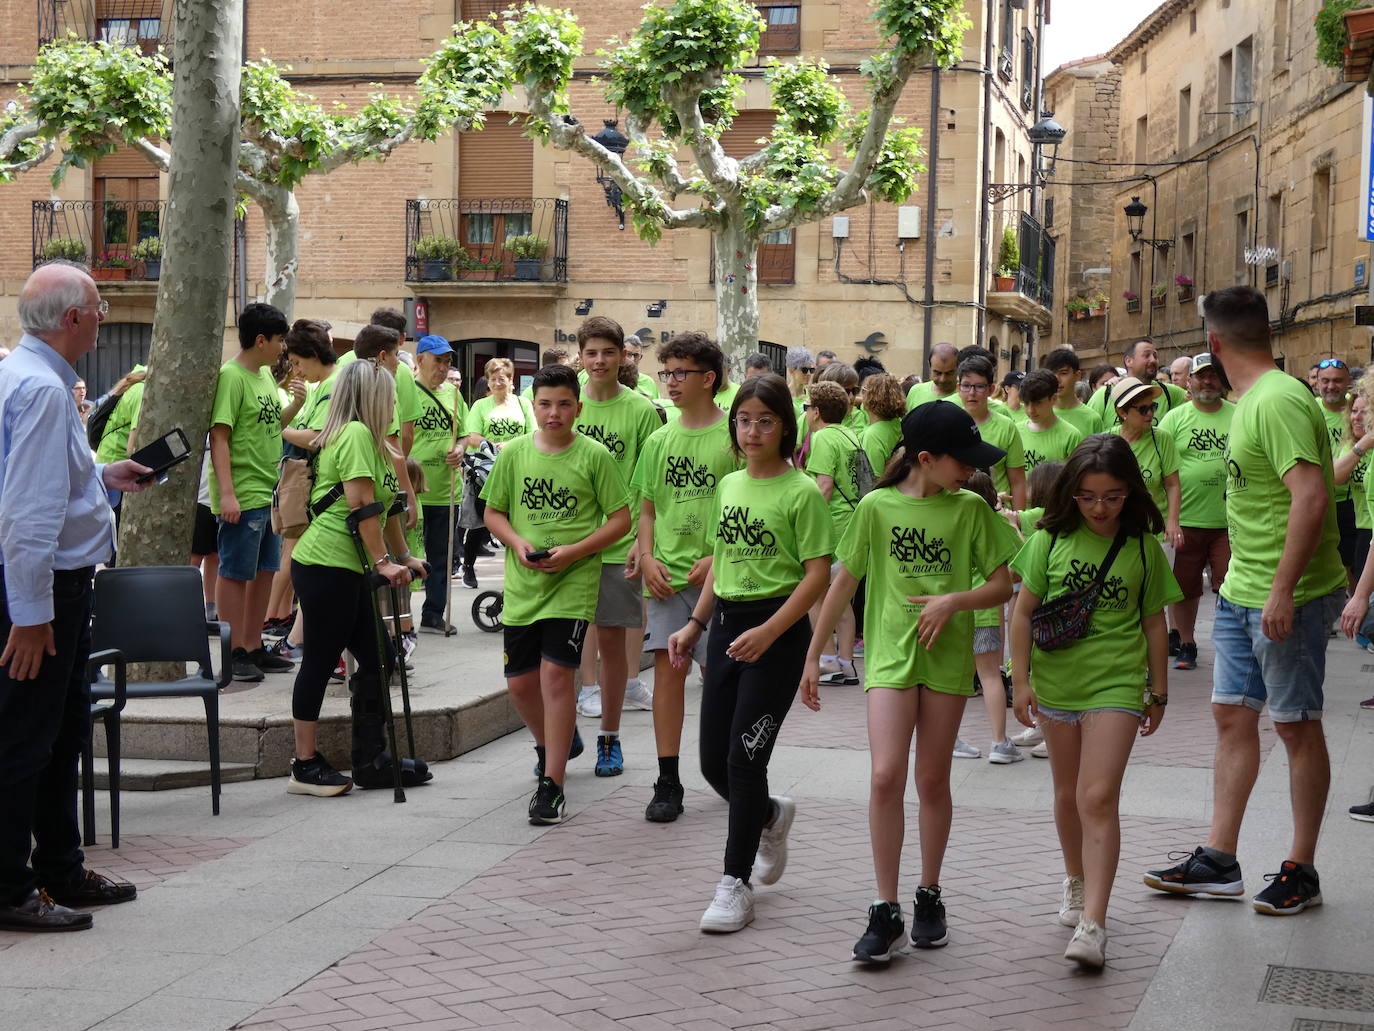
(94, 889)
(40, 913)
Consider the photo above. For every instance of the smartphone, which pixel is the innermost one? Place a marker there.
(537, 556)
(162, 454)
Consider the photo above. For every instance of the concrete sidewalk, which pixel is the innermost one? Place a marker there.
(452, 912)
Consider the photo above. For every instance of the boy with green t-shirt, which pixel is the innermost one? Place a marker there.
(555, 500)
(245, 446)
(622, 420)
(676, 477)
(1044, 436)
(1064, 363)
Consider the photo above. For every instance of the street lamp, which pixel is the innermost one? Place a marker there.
(1044, 133)
(617, 143)
(1135, 225)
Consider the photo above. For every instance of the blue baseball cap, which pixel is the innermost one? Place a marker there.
(433, 344)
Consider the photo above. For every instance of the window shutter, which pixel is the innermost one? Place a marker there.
(741, 139)
(498, 161)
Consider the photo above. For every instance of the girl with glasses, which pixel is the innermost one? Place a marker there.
(770, 564)
(1092, 697)
(1137, 404)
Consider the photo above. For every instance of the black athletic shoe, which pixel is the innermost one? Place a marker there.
(547, 804)
(928, 929)
(574, 750)
(667, 802)
(1187, 656)
(270, 662)
(377, 773)
(1363, 812)
(314, 776)
(243, 667)
(885, 929)
(1174, 642)
(470, 578)
(1197, 874)
(435, 625)
(1290, 891)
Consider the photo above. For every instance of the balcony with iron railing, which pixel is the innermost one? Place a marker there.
(459, 243)
(145, 24)
(106, 235)
(1032, 295)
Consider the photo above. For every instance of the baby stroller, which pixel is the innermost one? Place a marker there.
(486, 607)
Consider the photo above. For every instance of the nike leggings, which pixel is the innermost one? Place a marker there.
(742, 709)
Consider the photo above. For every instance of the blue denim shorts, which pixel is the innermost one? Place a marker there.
(1075, 716)
(1251, 670)
(248, 547)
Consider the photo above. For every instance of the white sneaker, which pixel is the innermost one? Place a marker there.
(771, 858)
(637, 696)
(1071, 909)
(589, 700)
(964, 750)
(1040, 751)
(844, 674)
(1003, 752)
(1088, 948)
(731, 909)
(1028, 737)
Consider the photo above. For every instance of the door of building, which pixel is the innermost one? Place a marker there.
(476, 353)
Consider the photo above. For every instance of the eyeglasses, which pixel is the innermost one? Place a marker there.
(807, 407)
(1149, 409)
(974, 388)
(1110, 500)
(677, 375)
(807, 369)
(103, 307)
(765, 425)
(1332, 363)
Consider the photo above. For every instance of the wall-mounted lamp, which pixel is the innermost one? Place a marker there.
(617, 143)
(1135, 225)
(655, 310)
(1044, 133)
(585, 308)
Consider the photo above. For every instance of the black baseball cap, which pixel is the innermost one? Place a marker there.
(1013, 378)
(943, 428)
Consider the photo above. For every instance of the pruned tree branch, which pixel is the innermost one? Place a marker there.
(11, 141)
(720, 170)
(672, 179)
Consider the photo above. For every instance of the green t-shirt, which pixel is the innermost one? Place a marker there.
(1358, 494)
(114, 441)
(646, 385)
(1200, 439)
(1275, 426)
(1102, 404)
(1157, 457)
(1082, 418)
(835, 453)
(433, 437)
(678, 472)
(1017, 415)
(552, 500)
(1007, 533)
(1028, 518)
(920, 393)
(500, 425)
(351, 455)
(247, 402)
(765, 531)
(920, 546)
(856, 421)
(1107, 666)
(726, 397)
(880, 439)
(315, 411)
(621, 425)
(1000, 431)
(1052, 445)
(407, 394)
(1335, 427)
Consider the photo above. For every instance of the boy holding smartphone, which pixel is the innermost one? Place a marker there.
(556, 500)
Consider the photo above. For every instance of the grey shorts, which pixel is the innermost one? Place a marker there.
(987, 639)
(618, 602)
(670, 615)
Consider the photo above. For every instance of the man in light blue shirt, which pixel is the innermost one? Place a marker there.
(55, 527)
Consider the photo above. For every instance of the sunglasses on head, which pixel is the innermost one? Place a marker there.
(1331, 363)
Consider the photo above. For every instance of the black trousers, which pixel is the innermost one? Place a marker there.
(742, 709)
(43, 725)
(338, 616)
(436, 554)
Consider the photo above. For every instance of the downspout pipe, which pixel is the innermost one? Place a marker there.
(985, 209)
(932, 203)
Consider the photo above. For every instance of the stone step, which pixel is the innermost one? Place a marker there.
(165, 774)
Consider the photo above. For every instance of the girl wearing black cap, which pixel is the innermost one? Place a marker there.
(920, 539)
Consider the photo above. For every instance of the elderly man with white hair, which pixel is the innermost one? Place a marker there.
(55, 527)
(1179, 371)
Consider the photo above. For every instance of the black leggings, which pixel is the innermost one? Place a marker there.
(742, 709)
(338, 615)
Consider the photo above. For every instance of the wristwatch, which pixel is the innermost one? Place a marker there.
(1155, 699)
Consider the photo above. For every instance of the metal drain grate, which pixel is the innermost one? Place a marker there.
(1308, 1024)
(1367, 668)
(1321, 989)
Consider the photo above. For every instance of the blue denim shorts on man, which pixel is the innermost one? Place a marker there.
(1251, 670)
(248, 547)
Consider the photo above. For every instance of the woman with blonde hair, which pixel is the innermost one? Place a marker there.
(882, 398)
(355, 478)
(497, 418)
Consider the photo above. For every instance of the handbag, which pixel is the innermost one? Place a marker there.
(1058, 623)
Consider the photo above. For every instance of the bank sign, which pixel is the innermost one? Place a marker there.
(1367, 171)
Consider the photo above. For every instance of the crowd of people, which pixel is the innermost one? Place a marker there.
(1043, 538)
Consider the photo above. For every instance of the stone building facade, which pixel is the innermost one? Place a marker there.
(898, 282)
(1246, 153)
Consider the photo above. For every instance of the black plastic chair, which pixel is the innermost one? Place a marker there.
(108, 714)
(157, 614)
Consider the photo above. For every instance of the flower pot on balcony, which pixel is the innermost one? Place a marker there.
(1006, 283)
(436, 270)
(152, 269)
(1133, 307)
(1359, 24)
(1185, 293)
(527, 270)
(1096, 313)
(110, 273)
(1157, 302)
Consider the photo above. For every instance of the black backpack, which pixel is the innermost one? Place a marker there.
(98, 417)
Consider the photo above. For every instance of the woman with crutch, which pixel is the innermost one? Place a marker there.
(354, 481)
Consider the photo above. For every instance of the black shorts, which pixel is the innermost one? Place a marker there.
(204, 536)
(1345, 523)
(556, 640)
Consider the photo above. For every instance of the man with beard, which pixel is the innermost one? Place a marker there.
(1142, 362)
(1333, 392)
(1200, 429)
(944, 378)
